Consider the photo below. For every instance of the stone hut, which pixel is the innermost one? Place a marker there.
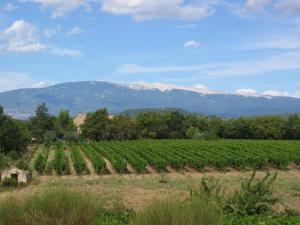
(20, 175)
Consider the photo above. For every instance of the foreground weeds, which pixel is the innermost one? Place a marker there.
(58, 207)
(176, 212)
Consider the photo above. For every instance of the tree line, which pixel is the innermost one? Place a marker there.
(174, 125)
(44, 127)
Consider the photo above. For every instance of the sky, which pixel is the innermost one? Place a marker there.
(248, 47)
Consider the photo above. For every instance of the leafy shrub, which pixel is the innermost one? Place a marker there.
(14, 155)
(9, 182)
(56, 207)
(4, 161)
(195, 211)
(22, 164)
(262, 220)
(113, 218)
(254, 197)
(49, 137)
(70, 136)
(192, 132)
(40, 163)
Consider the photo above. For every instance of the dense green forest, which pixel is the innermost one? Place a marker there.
(44, 127)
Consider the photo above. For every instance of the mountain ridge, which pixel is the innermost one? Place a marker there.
(87, 96)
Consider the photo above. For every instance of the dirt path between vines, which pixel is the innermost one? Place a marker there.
(109, 167)
(49, 170)
(131, 169)
(68, 154)
(88, 162)
(151, 169)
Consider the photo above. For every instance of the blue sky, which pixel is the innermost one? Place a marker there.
(248, 47)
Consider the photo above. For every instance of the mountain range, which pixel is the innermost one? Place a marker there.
(91, 95)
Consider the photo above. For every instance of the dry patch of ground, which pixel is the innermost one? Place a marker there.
(136, 191)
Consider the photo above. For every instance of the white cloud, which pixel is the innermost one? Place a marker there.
(134, 68)
(61, 7)
(246, 92)
(64, 52)
(187, 26)
(138, 9)
(23, 37)
(257, 5)
(277, 93)
(160, 9)
(269, 93)
(288, 7)
(192, 44)
(9, 7)
(279, 62)
(11, 81)
(288, 41)
(75, 31)
(249, 8)
(49, 32)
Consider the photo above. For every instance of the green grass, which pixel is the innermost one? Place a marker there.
(56, 207)
(262, 220)
(178, 212)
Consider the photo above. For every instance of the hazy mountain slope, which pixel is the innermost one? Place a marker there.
(89, 96)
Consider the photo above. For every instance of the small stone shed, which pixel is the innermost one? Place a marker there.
(20, 175)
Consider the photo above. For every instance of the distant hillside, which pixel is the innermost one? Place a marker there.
(135, 112)
(89, 96)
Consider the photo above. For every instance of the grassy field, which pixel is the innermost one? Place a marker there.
(136, 191)
(133, 174)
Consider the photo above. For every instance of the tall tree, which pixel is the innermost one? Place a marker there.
(95, 125)
(64, 123)
(12, 134)
(176, 125)
(292, 129)
(151, 125)
(121, 128)
(41, 122)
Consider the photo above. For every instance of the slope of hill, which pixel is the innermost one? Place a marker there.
(89, 96)
(135, 112)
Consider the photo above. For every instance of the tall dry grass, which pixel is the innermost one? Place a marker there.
(195, 211)
(55, 207)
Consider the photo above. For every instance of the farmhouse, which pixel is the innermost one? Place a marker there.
(20, 175)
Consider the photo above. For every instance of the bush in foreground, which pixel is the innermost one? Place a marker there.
(262, 220)
(175, 212)
(9, 182)
(58, 207)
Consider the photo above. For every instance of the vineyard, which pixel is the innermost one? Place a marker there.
(148, 156)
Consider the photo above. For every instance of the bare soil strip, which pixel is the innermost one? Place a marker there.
(109, 167)
(210, 169)
(49, 170)
(151, 169)
(68, 154)
(88, 162)
(190, 169)
(131, 169)
(171, 170)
